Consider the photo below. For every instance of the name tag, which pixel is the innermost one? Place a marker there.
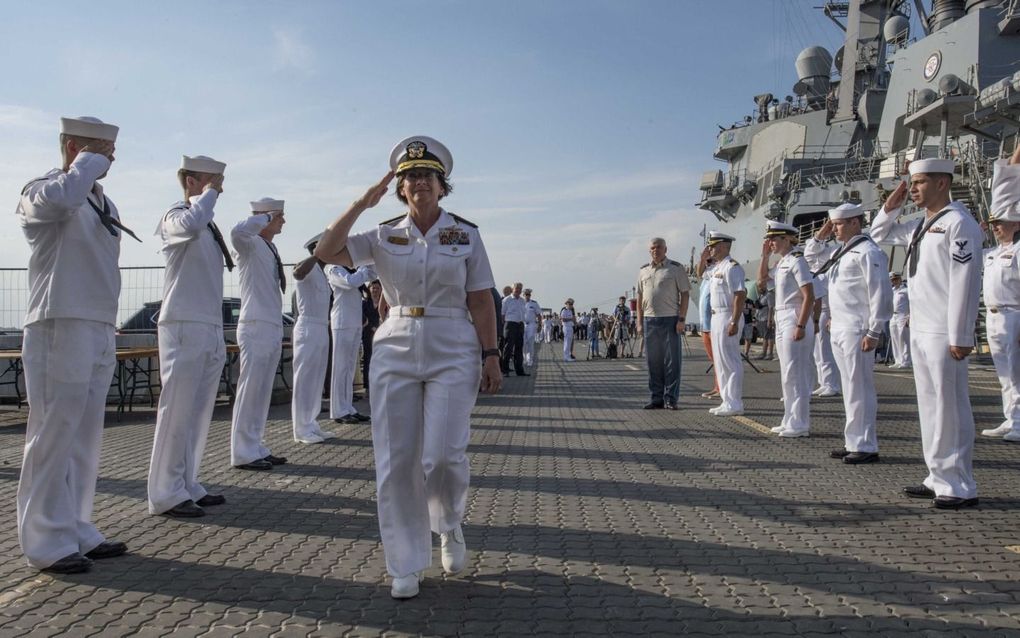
(938, 230)
(453, 237)
(400, 241)
(1007, 257)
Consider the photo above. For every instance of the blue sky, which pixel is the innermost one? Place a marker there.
(579, 129)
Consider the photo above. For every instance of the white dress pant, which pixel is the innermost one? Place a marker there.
(424, 377)
(568, 339)
(260, 343)
(947, 422)
(825, 361)
(729, 369)
(860, 402)
(796, 369)
(191, 356)
(547, 329)
(530, 330)
(68, 364)
(899, 335)
(1003, 330)
(311, 355)
(346, 342)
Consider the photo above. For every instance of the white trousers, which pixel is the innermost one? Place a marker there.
(424, 377)
(530, 329)
(825, 361)
(260, 343)
(311, 355)
(1003, 330)
(860, 402)
(191, 356)
(899, 335)
(947, 422)
(796, 369)
(568, 339)
(729, 369)
(346, 342)
(68, 364)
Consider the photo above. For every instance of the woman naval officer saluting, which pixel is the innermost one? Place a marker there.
(427, 357)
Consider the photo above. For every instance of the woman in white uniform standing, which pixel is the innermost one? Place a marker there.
(795, 330)
(567, 317)
(429, 357)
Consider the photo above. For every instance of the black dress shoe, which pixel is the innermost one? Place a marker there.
(71, 564)
(275, 460)
(838, 454)
(211, 499)
(918, 491)
(653, 406)
(348, 419)
(107, 549)
(856, 458)
(361, 417)
(258, 465)
(953, 502)
(185, 509)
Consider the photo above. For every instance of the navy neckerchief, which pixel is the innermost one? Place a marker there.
(109, 222)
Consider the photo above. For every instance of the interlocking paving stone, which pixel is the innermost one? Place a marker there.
(587, 516)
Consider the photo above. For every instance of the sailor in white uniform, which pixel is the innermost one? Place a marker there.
(532, 323)
(346, 319)
(427, 362)
(860, 298)
(826, 370)
(191, 347)
(944, 262)
(795, 329)
(728, 292)
(1002, 293)
(68, 353)
(259, 332)
(567, 317)
(311, 347)
(899, 325)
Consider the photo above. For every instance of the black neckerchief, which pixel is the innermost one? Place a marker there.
(218, 236)
(839, 254)
(279, 265)
(109, 222)
(914, 248)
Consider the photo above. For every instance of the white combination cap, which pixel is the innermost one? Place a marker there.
(946, 166)
(314, 240)
(202, 164)
(420, 151)
(775, 229)
(266, 205)
(716, 237)
(91, 127)
(846, 211)
(894, 275)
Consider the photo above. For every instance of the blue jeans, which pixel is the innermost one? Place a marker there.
(664, 358)
(594, 343)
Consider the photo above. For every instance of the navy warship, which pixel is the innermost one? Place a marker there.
(857, 114)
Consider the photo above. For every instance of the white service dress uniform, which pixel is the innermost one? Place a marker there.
(567, 321)
(259, 335)
(191, 349)
(532, 315)
(311, 354)
(860, 302)
(426, 369)
(726, 281)
(796, 369)
(346, 320)
(947, 281)
(69, 355)
(826, 370)
(899, 327)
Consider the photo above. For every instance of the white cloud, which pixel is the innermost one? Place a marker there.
(291, 53)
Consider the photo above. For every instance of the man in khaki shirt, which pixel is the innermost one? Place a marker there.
(663, 291)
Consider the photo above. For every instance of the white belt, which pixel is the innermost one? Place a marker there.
(998, 309)
(428, 311)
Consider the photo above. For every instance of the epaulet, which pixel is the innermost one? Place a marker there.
(675, 263)
(798, 253)
(37, 179)
(390, 222)
(461, 220)
(646, 265)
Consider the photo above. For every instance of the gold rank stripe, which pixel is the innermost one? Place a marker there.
(420, 163)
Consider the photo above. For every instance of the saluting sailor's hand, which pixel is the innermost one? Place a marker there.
(216, 184)
(374, 194)
(99, 147)
(825, 232)
(960, 352)
(765, 250)
(897, 197)
(492, 377)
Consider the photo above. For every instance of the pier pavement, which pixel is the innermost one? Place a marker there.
(587, 516)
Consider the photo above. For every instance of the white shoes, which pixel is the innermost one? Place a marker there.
(998, 432)
(726, 412)
(326, 434)
(309, 439)
(789, 433)
(453, 550)
(829, 393)
(778, 429)
(1012, 436)
(406, 586)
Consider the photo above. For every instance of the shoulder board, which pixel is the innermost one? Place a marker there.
(37, 179)
(675, 263)
(461, 220)
(390, 222)
(645, 265)
(798, 253)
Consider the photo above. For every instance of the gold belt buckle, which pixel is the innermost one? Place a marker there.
(993, 310)
(417, 311)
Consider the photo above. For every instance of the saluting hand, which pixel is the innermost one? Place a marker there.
(826, 231)
(99, 147)
(897, 197)
(216, 184)
(374, 194)
(765, 250)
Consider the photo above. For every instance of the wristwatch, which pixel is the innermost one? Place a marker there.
(491, 352)
(681, 318)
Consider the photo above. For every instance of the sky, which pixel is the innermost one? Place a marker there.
(579, 128)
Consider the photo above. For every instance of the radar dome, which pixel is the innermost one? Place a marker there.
(813, 62)
(896, 29)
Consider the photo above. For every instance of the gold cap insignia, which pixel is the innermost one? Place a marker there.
(416, 149)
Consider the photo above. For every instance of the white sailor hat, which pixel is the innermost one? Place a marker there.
(91, 127)
(1005, 194)
(202, 164)
(419, 151)
(947, 166)
(778, 229)
(715, 237)
(895, 275)
(314, 240)
(846, 211)
(527, 291)
(266, 205)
